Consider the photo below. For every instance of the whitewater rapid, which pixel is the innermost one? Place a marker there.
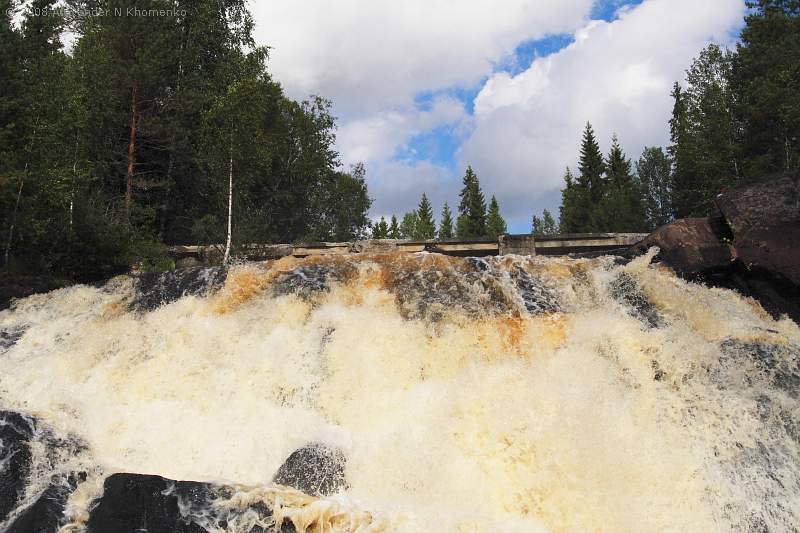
(502, 394)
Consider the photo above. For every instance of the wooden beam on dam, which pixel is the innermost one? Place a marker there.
(524, 244)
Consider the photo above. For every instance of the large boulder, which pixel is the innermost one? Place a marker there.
(765, 222)
(751, 244)
(690, 246)
(315, 469)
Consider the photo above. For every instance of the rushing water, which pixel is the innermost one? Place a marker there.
(506, 394)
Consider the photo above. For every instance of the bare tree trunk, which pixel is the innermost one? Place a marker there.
(227, 256)
(72, 192)
(131, 151)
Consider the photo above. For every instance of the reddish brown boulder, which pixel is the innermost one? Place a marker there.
(765, 222)
(690, 246)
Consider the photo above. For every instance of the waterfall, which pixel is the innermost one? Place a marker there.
(499, 394)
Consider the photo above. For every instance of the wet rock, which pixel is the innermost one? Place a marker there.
(315, 469)
(689, 245)
(154, 289)
(46, 514)
(134, 502)
(306, 281)
(9, 337)
(536, 295)
(625, 289)
(780, 364)
(16, 433)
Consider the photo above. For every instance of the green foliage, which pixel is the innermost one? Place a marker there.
(545, 225)
(182, 99)
(408, 226)
(380, 230)
(495, 224)
(425, 226)
(471, 208)
(765, 80)
(394, 229)
(653, 169)
(621, 207)
(446, 223)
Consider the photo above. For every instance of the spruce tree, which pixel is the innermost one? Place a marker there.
(573, 213)
(495, 224)
(446, 223)
(471, 208)
(394, 229)
(425, 225)
(591, 167)
(621, 208)
(380, 230)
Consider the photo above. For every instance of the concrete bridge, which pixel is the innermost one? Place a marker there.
(524, 244)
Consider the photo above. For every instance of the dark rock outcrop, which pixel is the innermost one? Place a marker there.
(14, 286)
(16, 432)
(133, 502)
(315, 469)
(750, 244)
(154, 289)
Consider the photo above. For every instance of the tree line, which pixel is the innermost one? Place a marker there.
(474, 219)
(153, 130)
(735, 120)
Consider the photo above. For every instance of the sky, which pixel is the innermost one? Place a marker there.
(423, 88)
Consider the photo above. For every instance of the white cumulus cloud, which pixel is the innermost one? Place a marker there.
(617, 75)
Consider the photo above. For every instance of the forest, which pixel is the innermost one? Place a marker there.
(159, 130)
(140, 135)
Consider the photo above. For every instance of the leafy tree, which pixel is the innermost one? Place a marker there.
(471, 208)
(394, 229)
(380, 230)
(766, 88)
(544, 226)
(408, 227)
(653, 169)
(703, 133)
(495, 224)
(425, 227)
(446, 223)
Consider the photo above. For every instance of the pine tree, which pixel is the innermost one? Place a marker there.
(495, 224)
(653, 169)
(380, 230)
(408, 227)
(425, 226)
(472, 208)
(394, 229)
(446, 223)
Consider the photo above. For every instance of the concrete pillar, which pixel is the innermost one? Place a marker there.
(524, 244)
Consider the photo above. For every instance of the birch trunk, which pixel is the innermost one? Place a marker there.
(227, 256)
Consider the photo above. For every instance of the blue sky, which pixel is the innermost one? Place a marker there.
(424, 87)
